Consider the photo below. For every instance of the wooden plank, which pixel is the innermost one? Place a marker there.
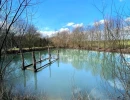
(36, 62)
(42, 67)
(30, 69)
(42, 60)
(28, 65)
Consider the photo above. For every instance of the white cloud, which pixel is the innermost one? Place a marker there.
(77, 25)
(100, 22)
(64, 30)
(70, 24)
(127, 19)
(74, 25)
(51, 33)
(47, 33)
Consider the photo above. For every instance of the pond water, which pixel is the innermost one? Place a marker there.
(96, 75)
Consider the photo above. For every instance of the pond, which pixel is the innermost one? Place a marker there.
(77, 73)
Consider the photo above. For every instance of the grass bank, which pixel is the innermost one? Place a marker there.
(17, 50)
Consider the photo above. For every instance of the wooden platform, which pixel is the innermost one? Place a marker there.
(34, 62)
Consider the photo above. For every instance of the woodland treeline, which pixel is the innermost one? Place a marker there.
(28, 38)
(111, 33)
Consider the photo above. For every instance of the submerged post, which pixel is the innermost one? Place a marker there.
(40, 56)
(34, 61)
(49, 55)
(49, 58)
(22, 57)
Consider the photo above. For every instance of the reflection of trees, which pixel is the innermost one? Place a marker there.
(114, 71)
(78, 60)
(82, 59)
(76, 57)
(94, 62)
(108, 65)
(123, 75)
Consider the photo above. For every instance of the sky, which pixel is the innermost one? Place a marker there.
(60, 15)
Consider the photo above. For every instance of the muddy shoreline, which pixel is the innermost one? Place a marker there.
(27, 50)
(124, 51)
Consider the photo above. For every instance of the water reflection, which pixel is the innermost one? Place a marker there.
(24, 75)
(35, 80)
(102, 73)
(107, 65)
(98, 62)
(50, 70)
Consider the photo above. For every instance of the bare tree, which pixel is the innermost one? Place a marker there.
(9, 14)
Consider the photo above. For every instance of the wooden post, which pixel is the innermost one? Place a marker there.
(34, 61)
(1, 77)
(40, 56)
(49, 55)
(22, 57)
(49, 58)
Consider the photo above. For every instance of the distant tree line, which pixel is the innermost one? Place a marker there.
(30, 38)
(112, 33)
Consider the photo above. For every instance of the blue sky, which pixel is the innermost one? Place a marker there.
(55, 15)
